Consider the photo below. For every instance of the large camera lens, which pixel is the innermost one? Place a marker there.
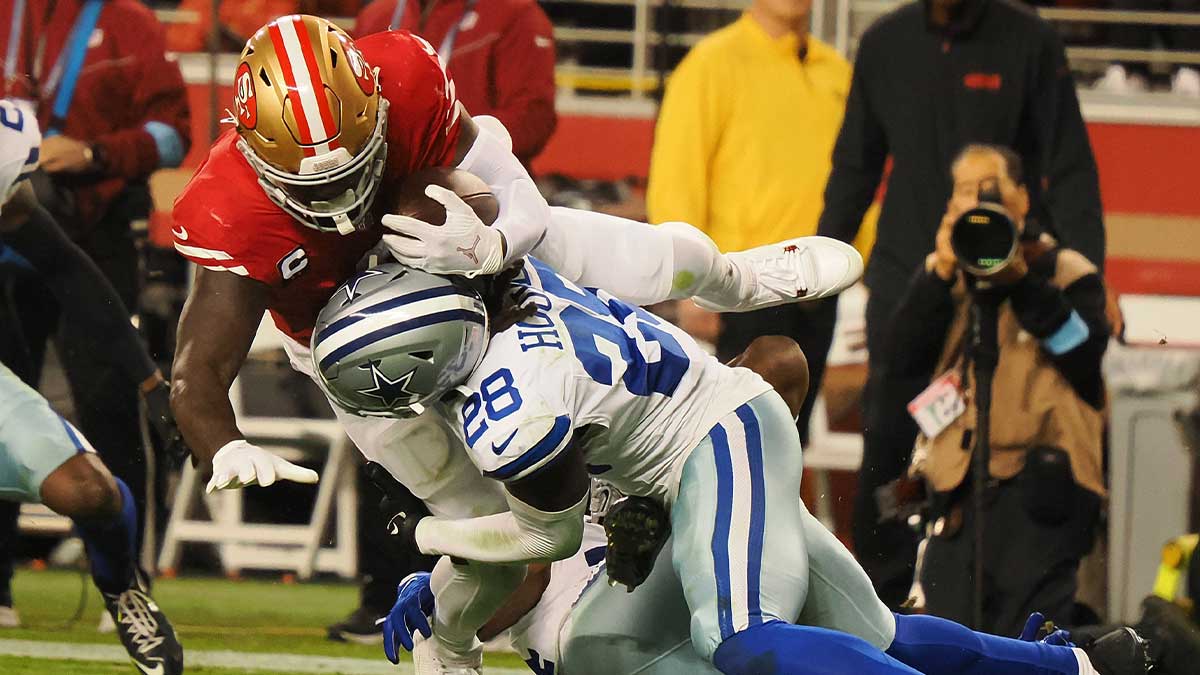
(984, 239)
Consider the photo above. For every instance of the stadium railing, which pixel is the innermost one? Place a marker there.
(615, 54)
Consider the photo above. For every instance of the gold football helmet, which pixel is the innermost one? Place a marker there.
(312, 122)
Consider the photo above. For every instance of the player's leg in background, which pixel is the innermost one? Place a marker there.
(106, 399)
(382, 566)
(841, 597)
(887, 550)
(812, 328)
(48, 461)
(647, 631)
(739, 551)
(45, 459)
(840, 594)
(24, 360)
(9, 512)
(1038, 526)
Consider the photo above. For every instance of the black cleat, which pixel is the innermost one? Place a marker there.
(1120, 652)
(145, 631)
(359, 627)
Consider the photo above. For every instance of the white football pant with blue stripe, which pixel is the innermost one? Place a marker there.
(744, 550)
(739, 548)
(34, 440)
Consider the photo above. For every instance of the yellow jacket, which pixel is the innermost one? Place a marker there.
(745, 134)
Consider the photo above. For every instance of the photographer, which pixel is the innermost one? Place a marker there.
(1046, 484)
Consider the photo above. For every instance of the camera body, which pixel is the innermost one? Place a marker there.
(985, 239)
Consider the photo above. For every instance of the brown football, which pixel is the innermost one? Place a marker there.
(410, 199)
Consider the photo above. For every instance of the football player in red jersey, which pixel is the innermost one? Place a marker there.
(282, 211)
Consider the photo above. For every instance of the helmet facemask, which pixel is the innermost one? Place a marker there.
(337, 199)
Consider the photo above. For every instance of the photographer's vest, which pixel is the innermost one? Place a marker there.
(1032, 403)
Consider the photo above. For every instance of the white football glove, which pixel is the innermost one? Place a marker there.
(432, 657)
(464, 245)
(239, 464)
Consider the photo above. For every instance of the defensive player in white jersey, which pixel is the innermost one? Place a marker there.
(43, 458)
(576, 382)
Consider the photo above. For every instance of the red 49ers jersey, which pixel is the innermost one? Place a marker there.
(225, 222)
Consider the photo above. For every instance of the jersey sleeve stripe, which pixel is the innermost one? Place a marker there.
(540, 452)
(31, 162)
(236, 269)
(202, 253)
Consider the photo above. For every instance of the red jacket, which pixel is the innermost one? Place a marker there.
(241, 18)
(125, 83)
(502, 59)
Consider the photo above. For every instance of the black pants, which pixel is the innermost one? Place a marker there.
(382, 563)
(106, 399)
(1031, 559)
(887, 550)
(810, 324)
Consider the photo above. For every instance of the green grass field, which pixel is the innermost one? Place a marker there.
(213, 615)
(23, 666)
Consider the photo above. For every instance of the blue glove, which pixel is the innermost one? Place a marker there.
(414, 606)
(1033, 626)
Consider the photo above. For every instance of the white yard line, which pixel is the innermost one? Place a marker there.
(290, 663)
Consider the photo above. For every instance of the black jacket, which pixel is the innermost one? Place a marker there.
(997, 75)
(919, 326)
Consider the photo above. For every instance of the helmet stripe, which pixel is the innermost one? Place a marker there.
(390, 303)
(373, 322)
(314, 76)
(398, 328)
(289, 80)
(301, 80)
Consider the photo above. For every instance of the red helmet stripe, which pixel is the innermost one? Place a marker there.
(289, 80)
(314, 75)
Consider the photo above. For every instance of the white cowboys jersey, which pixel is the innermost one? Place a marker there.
(20, 141)
(639, 390)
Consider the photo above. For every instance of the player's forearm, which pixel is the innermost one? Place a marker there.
(524, 213)
(216, 329)
(519, 603)
(522, 535)
(200, 402)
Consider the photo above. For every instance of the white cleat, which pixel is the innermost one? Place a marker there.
(430, 658)
(1186, 82)
(1117, 81)
(793, 270)
(9, 617)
